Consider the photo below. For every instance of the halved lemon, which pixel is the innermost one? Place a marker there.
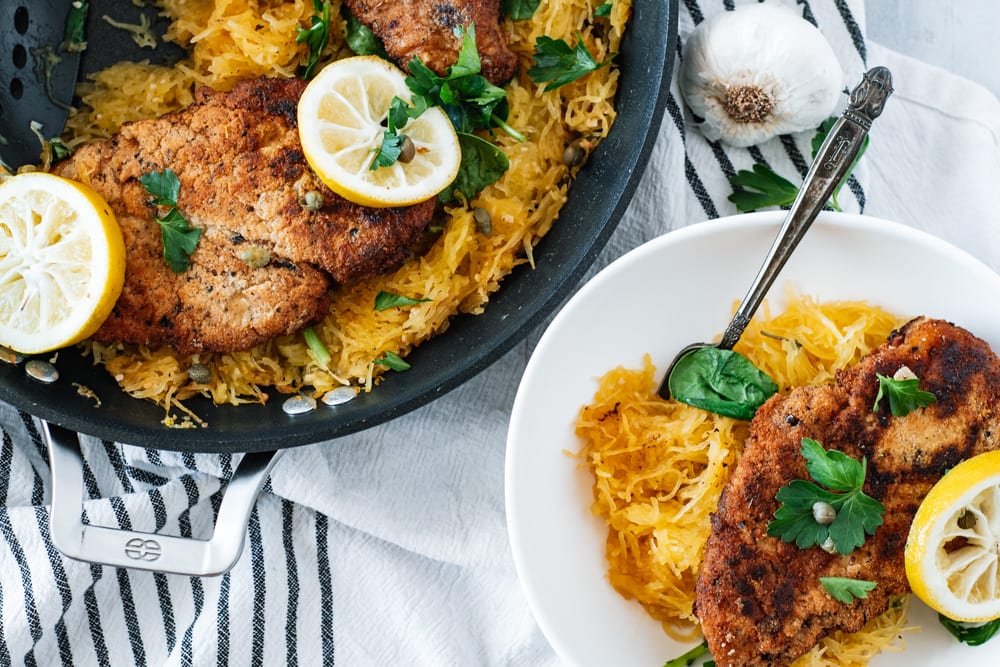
(341, 118)
(953, 550)
(62, 262)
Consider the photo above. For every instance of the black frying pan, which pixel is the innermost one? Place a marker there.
(597, 201)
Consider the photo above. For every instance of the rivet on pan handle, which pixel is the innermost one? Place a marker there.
(148, 551)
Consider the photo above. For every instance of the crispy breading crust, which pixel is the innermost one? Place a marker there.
(243, 179)
(759, 600)
(426, 30)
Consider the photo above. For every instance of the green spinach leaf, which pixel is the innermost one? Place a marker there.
(720, 381)
(482, 164)
(519, 10)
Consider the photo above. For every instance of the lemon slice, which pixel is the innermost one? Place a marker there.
(953, 549)
(341, 115)
(62, 262)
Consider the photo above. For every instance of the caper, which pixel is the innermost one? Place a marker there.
(255, 256)
(576, 152)
(828, 546)
(200, 373)
(484, 221)
(312, 200)
(407, 151)
(823, 512)
(967, 520)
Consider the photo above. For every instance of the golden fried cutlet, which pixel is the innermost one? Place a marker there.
(426, 29)
(243, 180)
(759, 600)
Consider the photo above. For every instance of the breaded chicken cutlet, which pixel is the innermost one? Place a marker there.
(426, 29)
(264, 263)
(759, 600)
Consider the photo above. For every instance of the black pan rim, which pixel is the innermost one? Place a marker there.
(597, 201)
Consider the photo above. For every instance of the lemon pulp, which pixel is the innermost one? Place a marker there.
(952, 554)
(62, 262)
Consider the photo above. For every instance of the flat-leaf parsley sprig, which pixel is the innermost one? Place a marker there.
(903, 391)
(316, 36)
(557, 63)
(179, 238)
(857, 514)
(845, 589)
(760, 187)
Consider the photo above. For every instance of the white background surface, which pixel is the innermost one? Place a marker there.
(962, 36)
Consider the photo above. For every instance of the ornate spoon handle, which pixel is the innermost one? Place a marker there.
(832, 161)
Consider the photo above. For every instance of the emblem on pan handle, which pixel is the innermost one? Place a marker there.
(138, 548)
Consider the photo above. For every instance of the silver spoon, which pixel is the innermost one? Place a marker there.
(833, 160)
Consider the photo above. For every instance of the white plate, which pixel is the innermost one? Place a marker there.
(669, 292)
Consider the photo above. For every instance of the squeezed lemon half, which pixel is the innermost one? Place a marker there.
(62, 262)
(341, 117)
(953, 549)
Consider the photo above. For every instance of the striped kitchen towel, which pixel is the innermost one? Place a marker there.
(389, 546)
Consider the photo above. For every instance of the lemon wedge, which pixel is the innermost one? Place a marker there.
(341, 117)
(952, 553)
(62, 262)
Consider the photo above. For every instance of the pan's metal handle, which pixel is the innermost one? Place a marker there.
(148, 551)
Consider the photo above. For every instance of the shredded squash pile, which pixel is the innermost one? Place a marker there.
(233, 39)
(660, 466)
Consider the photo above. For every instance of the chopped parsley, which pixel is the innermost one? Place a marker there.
(179, 238)
(520, 10)
(393, 361)
(603, 10)
(845, 589)
(391, 147)
(761, 187)
(858, 514)
(386, 300)
(316, 36)
(557, 63)
(904, 395)
(469, 99)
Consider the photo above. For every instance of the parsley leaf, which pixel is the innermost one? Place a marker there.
(360, 38)
(316, 36)
(858, 514)
(179, 238)
(520, 10)
(558, 64)
(846, 590)
(393, 361)
(469, 99)
(904, 395)
(392, 142)
(163, 185)
(603, 10)
(762, 187)
(386, 300)
(973, 634)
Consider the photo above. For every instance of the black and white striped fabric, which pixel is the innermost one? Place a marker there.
(387, 547)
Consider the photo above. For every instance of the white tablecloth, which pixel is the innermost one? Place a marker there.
(390, 546)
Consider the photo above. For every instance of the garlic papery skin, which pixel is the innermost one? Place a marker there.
(757, 72)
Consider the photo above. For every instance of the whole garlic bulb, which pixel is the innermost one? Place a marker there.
(757, 72)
